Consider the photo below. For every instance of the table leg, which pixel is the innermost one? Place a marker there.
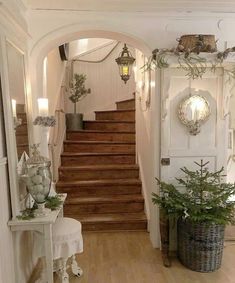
(48, 252)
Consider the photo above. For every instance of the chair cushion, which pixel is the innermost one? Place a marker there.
(67, 237)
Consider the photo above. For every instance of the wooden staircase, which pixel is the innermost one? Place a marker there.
(100, 175)
(21, 132)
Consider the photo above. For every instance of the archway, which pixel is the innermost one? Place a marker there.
(52, 40)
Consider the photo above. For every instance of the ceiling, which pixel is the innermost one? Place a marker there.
(214, 6)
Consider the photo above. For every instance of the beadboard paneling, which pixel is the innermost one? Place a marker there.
(104, 81)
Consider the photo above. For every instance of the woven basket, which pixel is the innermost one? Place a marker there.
(200, 246)
(197, 43)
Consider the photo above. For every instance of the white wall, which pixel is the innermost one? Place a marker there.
(16, 261)
(55, 76)
(104, 81)
(144, 31)
(147, 139)
(6, 243)
(81, 46)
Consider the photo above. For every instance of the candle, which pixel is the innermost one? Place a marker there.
(43, 107)
(125, 70)
(13, 103)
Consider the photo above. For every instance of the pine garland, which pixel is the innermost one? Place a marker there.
(194, 64)
(52, 203)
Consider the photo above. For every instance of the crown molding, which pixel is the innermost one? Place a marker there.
(10, 22)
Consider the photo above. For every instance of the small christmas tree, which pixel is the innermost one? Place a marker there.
(206, 197)
(78, 90)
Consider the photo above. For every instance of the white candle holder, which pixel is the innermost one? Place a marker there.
(193, 112)
(41, 211)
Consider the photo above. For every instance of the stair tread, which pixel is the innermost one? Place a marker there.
(108, 121)
(101, 132)
(110, 182)
(127, 100)
(106, 199)
(104, 167)
(116, 217)
(98, 142)
(118, 110)
(74, 154)
(21, 134)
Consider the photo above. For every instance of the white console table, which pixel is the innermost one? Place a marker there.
(44, 226)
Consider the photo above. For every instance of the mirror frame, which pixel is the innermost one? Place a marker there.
(12, 160)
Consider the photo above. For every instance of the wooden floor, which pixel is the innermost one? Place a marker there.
(128, 257)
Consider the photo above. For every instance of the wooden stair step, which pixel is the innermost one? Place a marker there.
(126, 104)
(100, 146)
(22, 116)
(20, 108)
(21, 138)
(112, 222)
(99, 187)
(98, 172)
(92, 135)
(93, 158)
(23, 128)
(107, 204)
(106, 125)
(117, 115)
(21, 148)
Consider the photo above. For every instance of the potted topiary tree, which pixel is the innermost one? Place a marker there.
(203, 209)
(74, 121)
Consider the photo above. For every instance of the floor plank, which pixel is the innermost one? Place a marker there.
(128, 257)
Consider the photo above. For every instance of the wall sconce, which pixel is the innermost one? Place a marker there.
(193, 112)
(17, 122)
(125, 62)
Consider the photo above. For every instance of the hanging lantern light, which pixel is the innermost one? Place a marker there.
(125, 61)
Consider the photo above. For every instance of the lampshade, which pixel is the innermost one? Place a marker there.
(125, 62)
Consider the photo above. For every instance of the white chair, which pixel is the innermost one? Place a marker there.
(67, 242)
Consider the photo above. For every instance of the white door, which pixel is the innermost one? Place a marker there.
(178, 147)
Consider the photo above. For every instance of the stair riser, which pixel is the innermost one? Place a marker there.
(95, 160)
(83, 136)
(135, 226)
(73, 175)
(22, 129)
(99, 148)
(21, 149)
(123, 105)
(104, 208)
(116, 116)
(99, 190)
(20, 108)
(22, 116)
(21, 139)
(109, 126)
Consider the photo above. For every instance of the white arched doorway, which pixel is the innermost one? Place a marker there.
(52, 40)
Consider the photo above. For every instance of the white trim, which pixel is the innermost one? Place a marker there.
(144, 189)
(9, 20)
(22, 6)
(9, 129)
(3, 161)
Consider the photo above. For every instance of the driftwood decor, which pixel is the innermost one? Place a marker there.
(197, 43)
